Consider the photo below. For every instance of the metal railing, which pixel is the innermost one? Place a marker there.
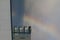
(20, 29)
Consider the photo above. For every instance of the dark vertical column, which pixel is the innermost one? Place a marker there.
(17, 13)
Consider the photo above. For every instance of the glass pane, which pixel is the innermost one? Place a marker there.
(18, 29)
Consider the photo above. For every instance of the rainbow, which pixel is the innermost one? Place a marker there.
(51, 29)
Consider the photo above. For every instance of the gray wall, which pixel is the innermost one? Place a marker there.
(5, 31)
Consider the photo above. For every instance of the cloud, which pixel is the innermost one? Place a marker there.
(47, 9)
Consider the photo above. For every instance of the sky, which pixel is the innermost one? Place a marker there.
(17, 12)
(44, 19)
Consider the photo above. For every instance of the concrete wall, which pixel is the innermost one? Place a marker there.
(5, 28)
